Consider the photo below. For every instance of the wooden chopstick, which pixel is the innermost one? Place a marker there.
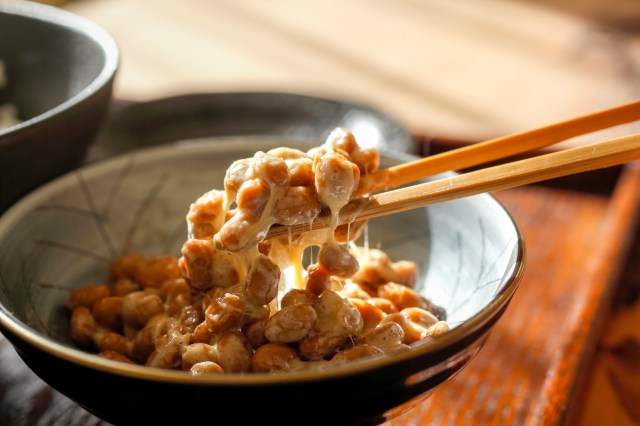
(495, 149)
(543, 167)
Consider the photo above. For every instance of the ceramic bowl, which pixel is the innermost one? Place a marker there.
(59, 71)
(469, 254)
(135, 125)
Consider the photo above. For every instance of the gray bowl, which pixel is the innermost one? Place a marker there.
(198, 115)
(60, 70)
(469, 253)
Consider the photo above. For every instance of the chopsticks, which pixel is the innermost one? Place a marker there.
(509, 175)
(495, 149)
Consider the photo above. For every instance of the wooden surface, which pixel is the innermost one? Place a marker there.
(469, 69)
(529, 369)
(464, 70)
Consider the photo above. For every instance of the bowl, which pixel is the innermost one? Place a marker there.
(59, 71)
(469, 254)
(198, 115)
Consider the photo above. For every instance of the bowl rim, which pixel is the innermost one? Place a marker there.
(22, 331)
(75, 23)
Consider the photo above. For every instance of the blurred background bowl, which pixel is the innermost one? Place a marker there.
(133, 125)
(59, 72)
(469, 254)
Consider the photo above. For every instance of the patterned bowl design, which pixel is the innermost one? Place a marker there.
(469, 254)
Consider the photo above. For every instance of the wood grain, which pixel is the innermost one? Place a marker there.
(526, 373)
(479, 153)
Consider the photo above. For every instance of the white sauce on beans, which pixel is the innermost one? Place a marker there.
(234, 303)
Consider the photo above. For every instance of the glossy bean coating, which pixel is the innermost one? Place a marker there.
(261, 283)
(108, 312)
(371, 315)
(206, 214)
(176, 295)
(287, 153)
(252, 198)
(206, 267)
(385, 305)
(342, 140)
(420, 316)
(234, 353)
(337, 315)
(272, 169)
(413, 331)
(301, 172)
(239, 232)
(272, 357)
(254, 331)
(295, 296)
(436, 310)
(225, 269)
(405, 272)
(126, 266)
(290, 324)
(298, 205)
(256, 313)
(318, 279)
(357, 352)
(335, 180)
(113, 342)
(401, 296)
(205, 368)
(169, 349)
(338, 260)
(155, 271)
(143, 342)
(388, 336)
(354, 291)
(138, 307)
(83, 326)
(87, 296)
(190, 316)
(320, 345)
(215, 309)
(238, 172)
(197, 262)
(377, 268)
(224, 313)
(201, 334)
(196, 353)
(124, 286)
(216, 292)
(368, 160)
(437, 329)
(350, 231)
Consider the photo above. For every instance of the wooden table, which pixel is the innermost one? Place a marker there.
(469, 69)
(451, 72)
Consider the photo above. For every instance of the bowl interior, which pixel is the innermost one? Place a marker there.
(65, 234)
(48, 51)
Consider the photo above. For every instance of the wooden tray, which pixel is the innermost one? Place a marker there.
(578, 233)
